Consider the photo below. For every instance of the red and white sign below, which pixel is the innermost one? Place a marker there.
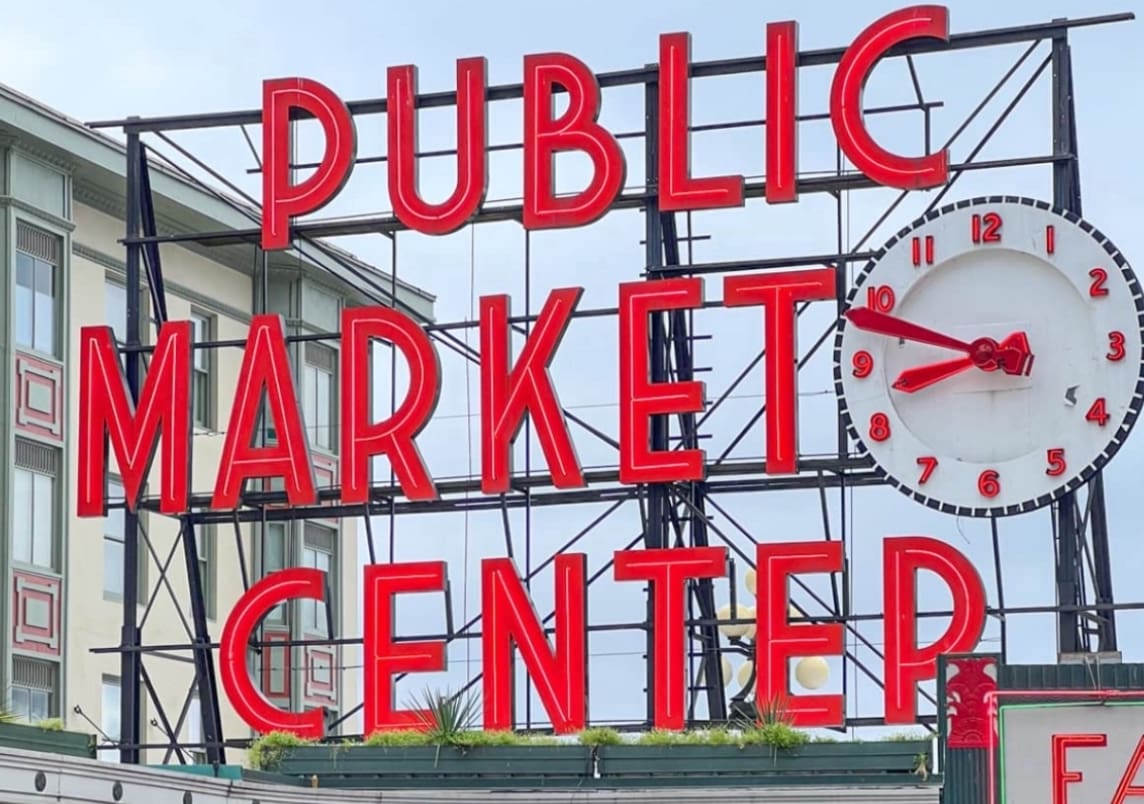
(1071, 753)
(578, 129)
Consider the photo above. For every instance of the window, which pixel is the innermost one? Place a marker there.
(115, 308)
(202, 396)
(205, 543)
(275, 556)
(113, 543)
(195, 731)
(33, 693)
(318, 403)
(113, 548)
(34, 505)
(37, 288)
(109, 717)
(318, 553)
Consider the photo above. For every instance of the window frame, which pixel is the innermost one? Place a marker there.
(320, 359)
(110, 754)
(118, 537)
(56, 522)
(207, 371)
(56, 296)
(51, 690)
(206, 548)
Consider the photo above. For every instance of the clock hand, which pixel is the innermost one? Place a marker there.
(915, 379)
(873, 321)
(1012, 356)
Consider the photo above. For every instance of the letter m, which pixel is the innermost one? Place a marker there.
(107, 412)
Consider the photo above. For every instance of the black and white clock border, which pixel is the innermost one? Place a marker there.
(1075, 479)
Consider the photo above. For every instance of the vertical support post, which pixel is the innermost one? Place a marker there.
(130, 658)
(205, 679)
(1071, 536)
(655, 534)
(703, 590)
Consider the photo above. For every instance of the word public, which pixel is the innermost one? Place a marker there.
(577, 129)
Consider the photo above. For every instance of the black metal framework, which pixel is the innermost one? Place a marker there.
(672, 514)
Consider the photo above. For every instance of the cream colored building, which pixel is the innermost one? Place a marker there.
(62, 203)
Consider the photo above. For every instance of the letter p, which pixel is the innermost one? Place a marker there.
(282, 200)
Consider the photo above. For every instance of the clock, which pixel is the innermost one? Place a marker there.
(990, 358)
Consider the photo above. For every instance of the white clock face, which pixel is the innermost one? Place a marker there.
(990, 358)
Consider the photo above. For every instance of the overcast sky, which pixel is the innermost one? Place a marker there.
(109, 60)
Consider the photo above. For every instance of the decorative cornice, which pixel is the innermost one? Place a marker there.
(29, 148)
(100, 199)
(119, 268)
(30, 209)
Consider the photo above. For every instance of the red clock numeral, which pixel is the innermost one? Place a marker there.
(1050, 239)
(1116, 344)
(1056, 459)
(1097, 413)
(880, 298)
(879, 427)
(986, 228)
(928, 464)
(1099, 277)
(863, 363)
(916, 250)
(989, 483)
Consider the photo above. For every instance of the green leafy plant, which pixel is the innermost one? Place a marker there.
(8, 716)
(400, 738)
(599, 735)
(50, 724)
(267, 751)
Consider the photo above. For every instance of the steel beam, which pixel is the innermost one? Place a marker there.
(748, 64)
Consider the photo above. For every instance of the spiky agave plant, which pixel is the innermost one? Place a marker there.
(445, 718)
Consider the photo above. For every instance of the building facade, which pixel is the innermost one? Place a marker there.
(62, 202)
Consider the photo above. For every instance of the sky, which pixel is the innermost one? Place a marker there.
(137, 58)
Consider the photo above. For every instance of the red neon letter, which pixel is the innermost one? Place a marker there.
(282, 200)
(107, 413)
(778, 640)
(265, 366)
(249, 704)
(777, 293)
(888, 169)
(906, 663)
(668, 570)
(384, 657)
(575, 130)
(506, 396)
(1126, 789)
(677, 190)
(509, 617)
(361, 436)
(472, 161)
(782, 112)
(640, 398)
(1062, 776)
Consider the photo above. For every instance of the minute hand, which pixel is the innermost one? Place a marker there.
(872, 320)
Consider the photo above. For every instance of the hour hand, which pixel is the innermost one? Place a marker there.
(915, 379)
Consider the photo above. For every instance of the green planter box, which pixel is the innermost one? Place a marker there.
(502, 766)
(417, 766)
(34, 738)
(760, 764)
